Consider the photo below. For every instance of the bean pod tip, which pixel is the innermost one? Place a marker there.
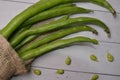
(95, 41)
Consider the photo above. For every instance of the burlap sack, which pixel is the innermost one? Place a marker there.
(10, 63)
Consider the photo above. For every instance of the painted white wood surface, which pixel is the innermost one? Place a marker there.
(87, 5)
(82, 67)
(50, 74)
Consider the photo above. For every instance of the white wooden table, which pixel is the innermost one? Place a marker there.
(82, 67)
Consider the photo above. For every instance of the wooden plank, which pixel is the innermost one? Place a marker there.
(80, 58)
(48, 74)
(23, 1)
(10, 10)
(115, 4)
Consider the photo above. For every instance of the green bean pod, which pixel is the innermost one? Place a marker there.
(61, 24)
(64, 5)
(36, 8)
(53, 45)
(39, 7)
(18, 32)
(105, 4)
(25, 41)
(27, 23)
(50, 14)
(54, 13)
(56, 35)
(43, 1)
(32, 37)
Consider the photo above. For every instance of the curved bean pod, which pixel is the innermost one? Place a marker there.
(56, 35)
(61, 24)
(105, 4)
(50, 14)
(23, 27)
(102, 3)
(25, 41)
(37, 8)
(54, 13)
(53, 45)
(27, 13)
(19, 32)
(31, 37)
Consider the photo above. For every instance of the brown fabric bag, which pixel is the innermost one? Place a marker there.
(10, 63)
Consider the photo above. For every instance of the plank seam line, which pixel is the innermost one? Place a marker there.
(78, 71)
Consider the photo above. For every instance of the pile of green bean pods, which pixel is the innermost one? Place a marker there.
(20, 33)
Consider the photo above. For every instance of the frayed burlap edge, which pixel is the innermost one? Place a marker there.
(10, 63)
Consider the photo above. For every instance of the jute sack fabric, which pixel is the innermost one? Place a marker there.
(10, 63)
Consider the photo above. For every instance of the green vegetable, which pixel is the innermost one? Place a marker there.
(61, 24)
(61, 5)
(37, 72)
(48, 14)
(110, 57)
(93, 57)
(102, 3)
(54, 13)
(53, 45)
(105, 4)
(39, 7)
(60, 71)
(95, 77)
(18, 32)
(62, 18)
(64, 5)
(68, 60)
(44, 1)
(20, 18)
(30, 38)
(56, 35)
(25, 41)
